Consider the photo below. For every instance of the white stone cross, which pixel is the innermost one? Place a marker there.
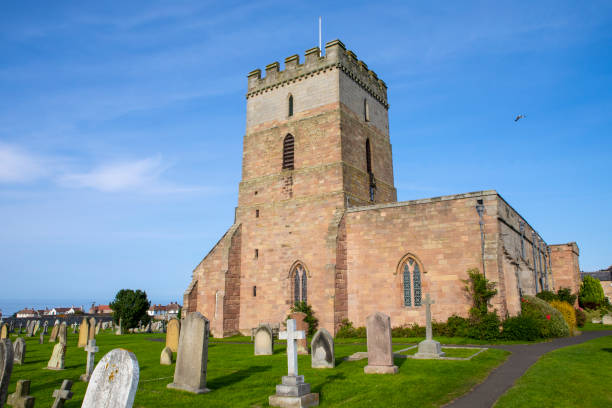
(292, 336)
(428, 302)
(91, 350)
(62, 394)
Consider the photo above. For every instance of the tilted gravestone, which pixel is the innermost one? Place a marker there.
(172, 334)
(36, 327)
(62, 333)
(56, 362)
(19, 350)
(192, 357)
(54, 333)
(91, 350)
(114, 381)
(20, 397)
(264, 341)
(6, 368)
(302, 344)
(322, 349)
(166, 356)
(30, 328)
(380, 352)
(4, 332)
(83, 333)
(62, 394)
(92, 329)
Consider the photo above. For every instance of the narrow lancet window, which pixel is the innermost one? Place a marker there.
(304, 287)
(288, 152)
(290, 107)
(407, 294)
(296, 287)
(300, 284)
(366, 110)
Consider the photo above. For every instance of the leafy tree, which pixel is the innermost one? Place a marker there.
(591, 295)
(547, 295)
(480, 290)
(313, 322)
(130, 307)
(565, 295)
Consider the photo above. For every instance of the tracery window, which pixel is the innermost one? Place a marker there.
(411, 278)
(300, 284)
(288, 149)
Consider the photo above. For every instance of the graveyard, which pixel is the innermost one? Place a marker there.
(238, 377)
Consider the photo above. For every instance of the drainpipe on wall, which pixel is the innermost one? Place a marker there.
(535, 265)
(480, 209)
(552, 278)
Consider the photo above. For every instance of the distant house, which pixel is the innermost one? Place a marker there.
(605, 277)
(24, 313)
(101, 309)
(43, 312)
(63, 311)
(161, 312)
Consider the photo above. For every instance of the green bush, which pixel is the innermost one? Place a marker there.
(486, 327)
(547, 295)
(591, 295)
(313, 322)
(550, 320)
(565, 295)
(580, 317)
(521, 327)
(413, 330)
(480, 290)
(347, 330)
(457, 326)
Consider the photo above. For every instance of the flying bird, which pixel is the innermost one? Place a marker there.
(519, 117)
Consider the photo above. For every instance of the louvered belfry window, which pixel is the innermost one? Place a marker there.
(288, 150)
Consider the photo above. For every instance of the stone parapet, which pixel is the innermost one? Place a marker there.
(336, 56)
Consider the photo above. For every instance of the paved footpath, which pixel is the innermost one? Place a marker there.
(503, 377)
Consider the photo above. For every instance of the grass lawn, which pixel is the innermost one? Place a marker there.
(595, 326)
(237, 378)
(575, 376)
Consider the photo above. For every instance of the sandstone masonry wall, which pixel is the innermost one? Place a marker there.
(565, 266)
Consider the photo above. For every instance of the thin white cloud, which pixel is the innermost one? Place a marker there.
(19, 166)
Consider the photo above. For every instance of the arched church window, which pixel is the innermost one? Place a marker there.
(300, 284)
(290, 106)
(411, 278)
(288, 149)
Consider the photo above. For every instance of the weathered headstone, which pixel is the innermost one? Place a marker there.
(30, 328)
(166, 356)
(56, 362)
(19, 350)
(264, 341)
(20, 398)
(91, 350)
(172, 334)
(36, 327)
(6, 368)
(429, 348)
(322, 349)
(607, 319)
(54, 333)
(62, 394)
(4, 332)
(92, 328)
(62, 333)
(45, 327)
(380, 352)
(114, 381)
(98, 327)
(83, 333)
(119, 330)
(192, 356)
(41, 338)
(302, 344)
(293, 391)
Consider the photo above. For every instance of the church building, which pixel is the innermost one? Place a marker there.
(318, 218)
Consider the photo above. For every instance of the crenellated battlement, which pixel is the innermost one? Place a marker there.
(336, 57)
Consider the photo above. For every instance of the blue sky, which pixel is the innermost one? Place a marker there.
(121, 124)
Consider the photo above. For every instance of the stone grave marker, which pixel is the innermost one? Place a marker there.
(192, 356)
(166, 356)
(607, 319)
(91, 350)
(20, 397)
(302, 344)
(54, 333)
(83, 333)
(293, 391)
(429, 348)
(19, 351)
(6, 367)
(30, 328)
(264, 341)
(92, 328)
(98, 327)
(322, 348)
(41, 338)
(114, 381)
(56, 362)
(119, 330)
(380, 352)
(172, 334)
(36, 327)
(45, 327)
(4, 332)
(62, 394)
(62, 333)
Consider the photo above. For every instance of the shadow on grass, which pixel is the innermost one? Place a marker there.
(235, 377)
(328, 380)
(609, 350)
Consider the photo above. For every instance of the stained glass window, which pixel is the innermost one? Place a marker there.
(296, 286)
(304, 286)
(416, 280)
(407, 295)
(411, 274)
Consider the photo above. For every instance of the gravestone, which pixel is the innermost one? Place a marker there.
(83, 333)
(91, 350)
(62, 394)
(92, 329)
(36, 327)
(54, 333)
(20, 397)
(264, 341)
(114, 381)
(62, 333)
(428, 348)
(98, 328)
(19, 351)
(119, 330)
(6, 368)
(45, 327)
(172, 334)
(166, 356)
(41, 338)
(322, 349)
(4, 332)
(607, 319)
(302, 344)
(380, 352)
(293, 391)
(30, 328)
(56, 362)
(192, 356)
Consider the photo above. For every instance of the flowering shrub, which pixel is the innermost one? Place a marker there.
(580, 317)
(568, 313)
(550, 320)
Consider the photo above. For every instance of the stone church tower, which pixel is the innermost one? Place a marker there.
(316, 155)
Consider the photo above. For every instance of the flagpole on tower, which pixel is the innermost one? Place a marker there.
(320, 33)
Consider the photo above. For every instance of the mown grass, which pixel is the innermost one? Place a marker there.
(595, 326)
(237, 378)
(448, 352)
(575, 376)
